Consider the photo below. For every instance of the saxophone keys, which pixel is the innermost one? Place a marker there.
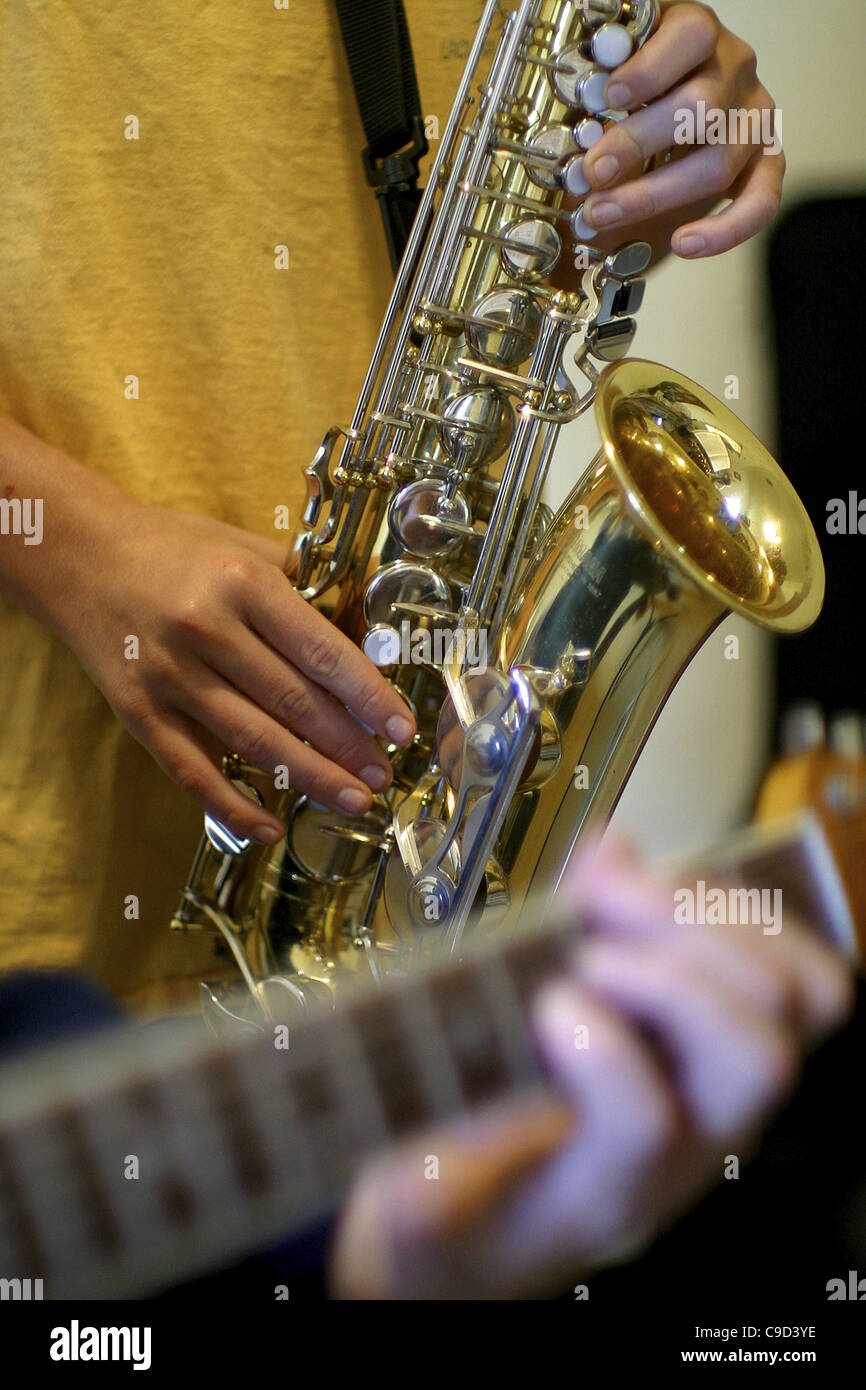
(552, 144)
(476, 426)
(570, 73)
(530, 248)
(611, 45)
(573, 179)
(580, 228)
(503, 325)
(642, 17)
(611, 341)
(224, 840)
(591, 91)
(588, 132)
(628, 261)
(401, 583)
(620, 298)
(424, 520)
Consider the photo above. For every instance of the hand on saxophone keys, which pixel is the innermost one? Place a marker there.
(682, 91)
(229, 654)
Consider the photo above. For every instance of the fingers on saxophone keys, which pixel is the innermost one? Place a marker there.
(314, 715)
(706, 172)
(326, 656)
(756, 195)
(297, 703)
(627, 145)
(245, 728)
(685, 39)
(170, 739)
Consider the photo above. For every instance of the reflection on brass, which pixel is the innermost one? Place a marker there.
(732, 518)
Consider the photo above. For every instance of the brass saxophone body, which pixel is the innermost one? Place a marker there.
(535, 650)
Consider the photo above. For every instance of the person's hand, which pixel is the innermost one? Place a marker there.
(691, 58)
(693, 1035)
(226, 647)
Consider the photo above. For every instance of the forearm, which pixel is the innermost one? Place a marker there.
(49, 506)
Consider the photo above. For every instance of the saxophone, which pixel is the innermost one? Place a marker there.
(536, 650)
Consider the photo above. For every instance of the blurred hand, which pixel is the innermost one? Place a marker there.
(695, 1035)
(691, 58)
(228, 647)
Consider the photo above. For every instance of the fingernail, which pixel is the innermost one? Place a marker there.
(267, 834)
(399, 729)
(605, 169)
(691, 245)
(375, 776)
(617, 96)
(604, 214)
(354, 801)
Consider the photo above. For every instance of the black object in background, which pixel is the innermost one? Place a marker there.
(817, 276)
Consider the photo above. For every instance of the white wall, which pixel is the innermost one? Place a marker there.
(708, 319)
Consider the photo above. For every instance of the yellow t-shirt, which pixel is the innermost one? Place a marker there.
(154, 158)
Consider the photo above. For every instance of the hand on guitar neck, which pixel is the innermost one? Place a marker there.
(672, 1047)
(576, 1089)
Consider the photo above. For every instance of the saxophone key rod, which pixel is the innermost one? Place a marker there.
(416, 243)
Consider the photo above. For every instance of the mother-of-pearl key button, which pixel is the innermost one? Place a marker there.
(580, 228)
(573, 180)
(591, 91)
(588, 132)
(611, 45)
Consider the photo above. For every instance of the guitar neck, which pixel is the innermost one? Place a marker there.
(146, 1156)
(145, 1153)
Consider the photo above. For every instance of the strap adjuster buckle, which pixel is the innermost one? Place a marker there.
(400, 169)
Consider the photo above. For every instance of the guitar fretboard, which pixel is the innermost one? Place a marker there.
(132, 1157)
(146, 1156)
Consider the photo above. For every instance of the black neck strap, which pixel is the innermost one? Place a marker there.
(376, 38)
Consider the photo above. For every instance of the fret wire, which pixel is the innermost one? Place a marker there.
(219, 1077)
(436, 1065)
(533, 960)
(141, 1204)
(388, 1059)
(369, 1007)
(168, 1200)
(308, 1089)
(474, 1039)
(178, 1197)
(59, 1214)
(24, 1233)
(277, 1115)
(511, 1020)
(105, 1234)
(363, 1107)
